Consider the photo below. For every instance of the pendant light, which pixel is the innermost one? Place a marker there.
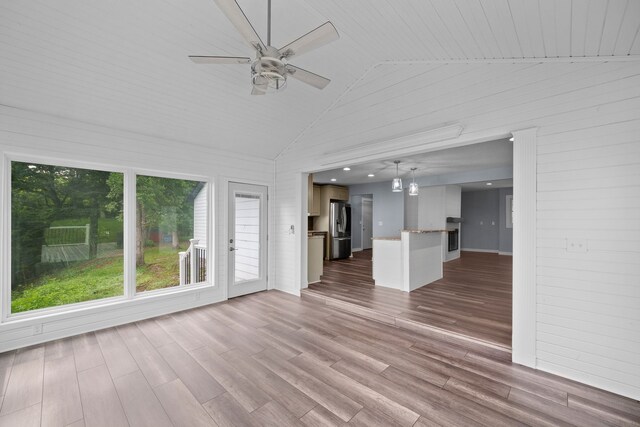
(396, 185)
(413, 187)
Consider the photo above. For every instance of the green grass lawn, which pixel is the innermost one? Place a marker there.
(95, 279)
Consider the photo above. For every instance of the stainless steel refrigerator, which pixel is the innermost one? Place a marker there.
(340, 230)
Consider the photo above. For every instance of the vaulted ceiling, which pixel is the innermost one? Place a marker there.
(124, 64)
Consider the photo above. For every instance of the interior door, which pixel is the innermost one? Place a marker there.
(247, 239)
(367, 222)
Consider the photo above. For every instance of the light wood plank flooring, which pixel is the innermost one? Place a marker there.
(473, 299)
(271, 359)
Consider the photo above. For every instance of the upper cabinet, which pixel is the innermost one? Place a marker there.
(335, 192)
(315, 205)
(313, 199)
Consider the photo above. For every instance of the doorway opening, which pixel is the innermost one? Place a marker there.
(473, 298)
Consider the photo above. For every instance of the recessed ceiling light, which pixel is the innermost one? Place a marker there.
(489, 183)
(371, 175)
(511, 139)
(346, 169)
(333, 180)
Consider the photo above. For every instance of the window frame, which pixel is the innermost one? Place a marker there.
(129, 237)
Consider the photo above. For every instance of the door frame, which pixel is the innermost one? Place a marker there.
(362, 239)
(523, 342)
(222, 242)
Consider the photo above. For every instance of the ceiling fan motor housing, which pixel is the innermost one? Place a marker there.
(268, 72)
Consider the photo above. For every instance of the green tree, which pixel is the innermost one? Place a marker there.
(41, 194)
(160, 203)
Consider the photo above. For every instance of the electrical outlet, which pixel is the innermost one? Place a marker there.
(577, 245)
(37, 329)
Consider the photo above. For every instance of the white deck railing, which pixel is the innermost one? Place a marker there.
(193, 263)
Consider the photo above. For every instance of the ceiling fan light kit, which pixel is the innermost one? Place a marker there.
(270, 69)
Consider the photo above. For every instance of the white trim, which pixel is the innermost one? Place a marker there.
(524, 302)
(19, 333)
(389, 146)
(524, 247)
(304, 231)
(356, 249)
(5, 242)
(490, 251)
(129, 234)
(540, 60)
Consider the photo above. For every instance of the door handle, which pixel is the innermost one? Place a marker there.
(231, 249)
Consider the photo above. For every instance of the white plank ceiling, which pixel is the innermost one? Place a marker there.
(124, 64)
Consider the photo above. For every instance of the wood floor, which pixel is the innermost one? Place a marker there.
(473, 299)
(271, 359)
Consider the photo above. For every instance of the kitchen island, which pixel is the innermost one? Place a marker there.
(408, 262)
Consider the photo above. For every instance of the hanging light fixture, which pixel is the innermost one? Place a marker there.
(413, 187)
(396, 185)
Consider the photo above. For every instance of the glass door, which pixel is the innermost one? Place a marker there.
(247, 239)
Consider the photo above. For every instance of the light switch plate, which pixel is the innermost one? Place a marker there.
(577, 245)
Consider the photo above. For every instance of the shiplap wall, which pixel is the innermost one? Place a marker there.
(52, 138)
(588, 119)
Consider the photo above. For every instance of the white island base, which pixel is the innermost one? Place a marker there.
(408, 262)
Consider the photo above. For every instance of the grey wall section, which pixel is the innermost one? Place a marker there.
(410, 210)
(484, 226)
(388, 207)
(356, 221)
(505, 235)
(479, 211)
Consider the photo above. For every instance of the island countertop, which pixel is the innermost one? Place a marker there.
(420, 230)
(416, 230)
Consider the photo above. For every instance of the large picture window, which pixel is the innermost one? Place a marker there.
(66, 235)
(79, 235)
(171, 232)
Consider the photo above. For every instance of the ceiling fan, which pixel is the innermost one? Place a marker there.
(270, 68)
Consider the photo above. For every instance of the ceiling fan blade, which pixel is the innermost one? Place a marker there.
(220, 59)
(256, 91)
(239, 20)
(322, 35)
(308, 77)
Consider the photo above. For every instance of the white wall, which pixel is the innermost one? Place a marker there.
(588, 188)
(52, 138)
(200, 215)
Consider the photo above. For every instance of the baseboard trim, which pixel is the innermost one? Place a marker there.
(489, 251)
(356, 249)
(19, 333)
(505, 253)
